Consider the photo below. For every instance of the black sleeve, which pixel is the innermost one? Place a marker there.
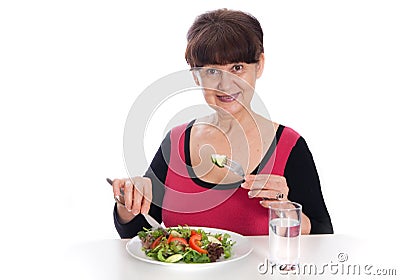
(304, 187)
(157, 172)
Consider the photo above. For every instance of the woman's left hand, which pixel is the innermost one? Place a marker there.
(272, 188)
(269, 187)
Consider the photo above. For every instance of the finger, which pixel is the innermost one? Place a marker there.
(246, 185)
(254, 184)
(255, 181)
(265, 203)
(147, 197)
(137, 198)
(249, 180)
(258, 177)
(249, 177)
(274, 182)
(278, 183)
(117, 185)
(260, 183)
(128, 190)
(269, 194)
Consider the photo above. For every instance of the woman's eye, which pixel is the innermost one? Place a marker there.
(237, 68)
(212, 72)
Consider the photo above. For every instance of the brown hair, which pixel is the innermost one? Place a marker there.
(224, 36)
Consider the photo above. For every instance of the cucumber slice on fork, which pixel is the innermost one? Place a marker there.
(219, 160)
(223, 161)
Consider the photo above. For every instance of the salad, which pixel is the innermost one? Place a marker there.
(184, 244)
(219, 160)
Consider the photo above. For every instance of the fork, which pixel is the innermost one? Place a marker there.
(234, 167)
(237, 168)
(120, 199)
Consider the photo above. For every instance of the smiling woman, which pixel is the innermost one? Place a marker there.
(228, 83)
(182, 185)
(220, 44)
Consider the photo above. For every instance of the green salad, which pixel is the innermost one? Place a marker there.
(184, 244)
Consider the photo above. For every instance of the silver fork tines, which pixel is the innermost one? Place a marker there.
(234, 166)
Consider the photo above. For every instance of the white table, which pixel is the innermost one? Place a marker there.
(333, 254)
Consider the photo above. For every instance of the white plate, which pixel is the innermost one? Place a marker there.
(240, 249)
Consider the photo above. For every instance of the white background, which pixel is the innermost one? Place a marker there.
(70, 71)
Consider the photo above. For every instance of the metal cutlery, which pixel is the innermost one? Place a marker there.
(237, 168)
(234, 167)
(120, 199)
(224, 161)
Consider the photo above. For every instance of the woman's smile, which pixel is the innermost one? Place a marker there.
(228, 97)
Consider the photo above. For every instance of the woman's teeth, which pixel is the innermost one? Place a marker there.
(228, 98)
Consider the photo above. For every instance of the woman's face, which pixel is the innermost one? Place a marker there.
(229, 87)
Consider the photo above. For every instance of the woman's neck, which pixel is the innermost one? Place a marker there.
(227, 122)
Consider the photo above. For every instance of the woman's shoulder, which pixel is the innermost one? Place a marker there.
(289, 136)
(289, 131)
(278, 128)
(182, 126)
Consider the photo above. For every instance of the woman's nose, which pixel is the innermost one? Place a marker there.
(225, 81)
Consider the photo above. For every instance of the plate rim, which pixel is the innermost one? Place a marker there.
(233, 234)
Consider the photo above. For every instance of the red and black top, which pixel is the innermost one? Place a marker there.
(186, 199)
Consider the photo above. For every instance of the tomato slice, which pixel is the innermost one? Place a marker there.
(194, 242)
(195, 233)
(156, 242)
(178, 239)
(169, 238)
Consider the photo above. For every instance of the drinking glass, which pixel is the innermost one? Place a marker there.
(284, 234)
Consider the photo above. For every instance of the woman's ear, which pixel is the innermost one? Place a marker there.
(260, 65)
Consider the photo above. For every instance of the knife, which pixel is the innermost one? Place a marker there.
(154, 224)
(120, 199)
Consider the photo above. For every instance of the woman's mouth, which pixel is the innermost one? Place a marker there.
(228, 98)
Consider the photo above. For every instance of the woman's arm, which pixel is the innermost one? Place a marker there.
(157, 173)
(305, 188)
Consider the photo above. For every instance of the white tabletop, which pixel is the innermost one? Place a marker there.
(322, 257)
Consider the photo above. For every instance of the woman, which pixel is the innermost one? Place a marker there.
(182, 186)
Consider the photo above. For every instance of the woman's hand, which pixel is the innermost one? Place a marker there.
(269, 187)
(272, 188)
(137, 197)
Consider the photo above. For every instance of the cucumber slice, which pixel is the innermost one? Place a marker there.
(174, 258)
(212, 239)
(218, 160)
(174, 233)
(160, 255)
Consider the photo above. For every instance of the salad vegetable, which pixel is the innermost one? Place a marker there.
(219, 160)
(185, 244)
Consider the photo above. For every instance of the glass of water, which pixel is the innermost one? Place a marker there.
(284, 234)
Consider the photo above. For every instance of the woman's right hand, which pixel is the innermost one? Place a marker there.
(137, 196)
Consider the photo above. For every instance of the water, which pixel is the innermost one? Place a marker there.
(284, 242)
